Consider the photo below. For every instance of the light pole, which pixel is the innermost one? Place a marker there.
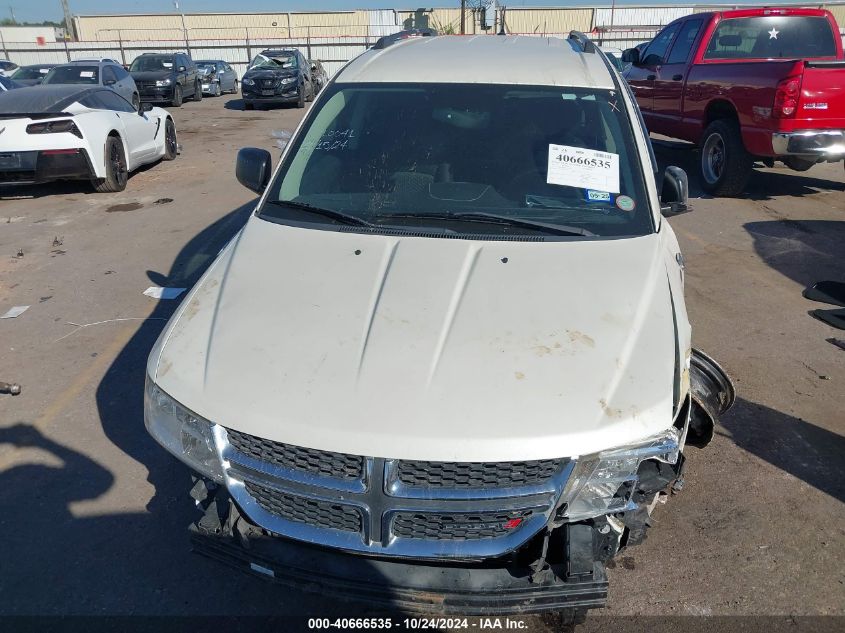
(184, 28)
(68, 19)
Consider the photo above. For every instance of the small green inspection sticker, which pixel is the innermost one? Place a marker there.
(625, 203)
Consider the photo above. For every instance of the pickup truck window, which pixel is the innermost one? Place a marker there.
(772, 37)
(683, 43)
(656, 51)
(441, 155)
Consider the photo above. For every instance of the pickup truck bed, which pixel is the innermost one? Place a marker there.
(759, 84)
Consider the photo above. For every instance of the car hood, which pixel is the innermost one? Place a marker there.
(268, 73)
(426, 348)
(151, 75)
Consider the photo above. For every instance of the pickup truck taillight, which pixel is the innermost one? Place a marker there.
(786, 97)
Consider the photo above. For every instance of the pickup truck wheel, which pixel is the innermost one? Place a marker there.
(176, 102)
(725, 164)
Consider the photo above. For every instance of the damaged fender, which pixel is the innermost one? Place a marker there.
(712, 393)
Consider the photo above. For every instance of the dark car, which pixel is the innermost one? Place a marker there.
(278, 76)
(318, 75)
(166, 77)
(217, 77)
(32, 75)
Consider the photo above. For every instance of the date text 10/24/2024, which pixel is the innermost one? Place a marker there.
(421, 623)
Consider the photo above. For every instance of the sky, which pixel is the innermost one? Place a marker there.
(37, 10)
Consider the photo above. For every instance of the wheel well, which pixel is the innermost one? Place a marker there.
(719, 110)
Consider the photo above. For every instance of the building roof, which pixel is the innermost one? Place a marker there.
(524, 60)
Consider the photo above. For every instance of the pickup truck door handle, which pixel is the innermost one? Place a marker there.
(651, 77)
(677, 77)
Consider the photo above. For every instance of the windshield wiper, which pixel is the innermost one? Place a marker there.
(339, 216)
(492, 218)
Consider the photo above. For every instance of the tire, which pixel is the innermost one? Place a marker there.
(116, 172)
(171, 146)
(235, 87)
(218, 90)
(136, 101)
(300, 103)
(197, 92)
(725, 164)
(176, 102)
(248, 105)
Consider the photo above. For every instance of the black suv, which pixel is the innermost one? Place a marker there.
(166, 77)
(278, 76)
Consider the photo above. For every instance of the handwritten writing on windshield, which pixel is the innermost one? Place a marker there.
(331, 140)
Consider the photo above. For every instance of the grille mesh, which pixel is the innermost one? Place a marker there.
(455, 527)
(323, 514)
(325, 463)
(475, 475)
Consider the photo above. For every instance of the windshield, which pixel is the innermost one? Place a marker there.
(152, 63)
(772, 37)
(529, 159)
(32, 72)
(281, 60)
(73, 75)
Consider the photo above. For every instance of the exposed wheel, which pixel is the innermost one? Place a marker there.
(218, 90)
(198, 91)
(170, 144)
(116, 171)
(235, 87)
(136, 101)
(725, 163)
(248, 105)
(176, 102)
(300, 103)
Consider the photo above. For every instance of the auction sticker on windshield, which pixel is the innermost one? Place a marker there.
(583, 168)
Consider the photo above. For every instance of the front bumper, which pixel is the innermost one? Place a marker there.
(164, 93)
(497, 587)
(823, 144)
(44, 165)
(285, 94)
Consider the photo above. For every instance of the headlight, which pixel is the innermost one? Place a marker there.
(592, 488)
(288, 80)
(247, 81)
(163, 82)
(183, 433)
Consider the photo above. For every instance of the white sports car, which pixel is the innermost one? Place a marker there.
(78, 133)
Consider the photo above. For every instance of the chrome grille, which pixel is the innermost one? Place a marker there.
(390, 507)
(475, 475)
(309, 460)
(459, 527)
(324, 514)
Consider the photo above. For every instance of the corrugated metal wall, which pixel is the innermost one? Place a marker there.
(548, 20)
(640, 16)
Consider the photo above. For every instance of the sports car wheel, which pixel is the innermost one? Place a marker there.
(116, 171)
(170, 145)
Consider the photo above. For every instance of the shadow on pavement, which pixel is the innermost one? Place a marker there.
(805, 251)
(804, 450)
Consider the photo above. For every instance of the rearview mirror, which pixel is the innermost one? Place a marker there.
(631, 56)
(253, 168)
(675, 192)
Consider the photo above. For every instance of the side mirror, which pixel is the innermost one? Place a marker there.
(675, 192)
(145, 107)
(109, 82)
(181, 69)
(253, 168)
(631, 56)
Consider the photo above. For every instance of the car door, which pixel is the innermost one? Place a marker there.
(305, 65)
(190, 73)
(667, 102)
(128, 89)
(641, 76)
(222, 76)
(140, 129)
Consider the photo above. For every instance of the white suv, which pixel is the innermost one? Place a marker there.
(446, 364)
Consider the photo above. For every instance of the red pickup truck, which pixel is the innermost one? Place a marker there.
(745, 86)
